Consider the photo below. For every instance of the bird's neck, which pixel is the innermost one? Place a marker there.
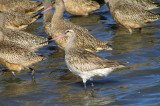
(58, 13)
(71, 44)
(1, 36)
(59, 10)
(47, 14)
(112, 3)
(2, 19)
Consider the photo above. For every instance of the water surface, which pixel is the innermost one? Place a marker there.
(55, 85)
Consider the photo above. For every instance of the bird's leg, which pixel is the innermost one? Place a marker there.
(32, 71)
(84, 83)
(13, 73)
(85, 86)
(140, 29)
(32, 74)
(92, 89)
(92, 86)
(130, 30)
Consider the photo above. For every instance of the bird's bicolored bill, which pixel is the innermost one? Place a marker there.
(58, 37)
(55, 38)
(47, 9)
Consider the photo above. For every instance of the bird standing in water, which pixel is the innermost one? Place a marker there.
(84, 63)
(84, 39)
(15, 56)
(130, 15)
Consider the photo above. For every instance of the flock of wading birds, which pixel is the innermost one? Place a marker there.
(17, 48)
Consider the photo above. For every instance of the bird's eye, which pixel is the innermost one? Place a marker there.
(67, 31)
(53, 1)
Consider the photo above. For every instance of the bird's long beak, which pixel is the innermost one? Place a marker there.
(47, 9)
(58, 37)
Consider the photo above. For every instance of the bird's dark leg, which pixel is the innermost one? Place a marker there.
(84, 83)
(85, 86)
(13, 73)
(92, 89)
(92, 86)
(32, 71)
(140, 29)
(32, 74)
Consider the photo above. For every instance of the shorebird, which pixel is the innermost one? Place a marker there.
(17, 21)
(84, 63)
(129, 15)
(21, 6)
(29, 41)
(81, 7)
(15, 57)
(84, 39)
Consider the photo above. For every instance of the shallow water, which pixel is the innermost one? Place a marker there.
(54, 84)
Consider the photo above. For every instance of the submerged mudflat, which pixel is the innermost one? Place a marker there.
(55, 85)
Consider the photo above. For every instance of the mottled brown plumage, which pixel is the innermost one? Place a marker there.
(21, 6)
(15, 57)
(84, 39)
(29, 41)
(81, 7)
(84, 63)
(129, 15)
(16, 21)
(146, 4)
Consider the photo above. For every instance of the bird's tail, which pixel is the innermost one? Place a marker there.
(153, 17)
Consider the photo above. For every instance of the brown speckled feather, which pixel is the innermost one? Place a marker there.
(146, 4)
(17, 54)
(15, 57)
(21, 6)
(81, 7)
(18, 21)
(29, 41)
(130, 15)
(84, 39)
(87, 61)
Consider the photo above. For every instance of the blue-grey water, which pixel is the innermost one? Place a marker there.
(54, 84)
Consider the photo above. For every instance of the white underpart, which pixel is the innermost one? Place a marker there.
(88, 75)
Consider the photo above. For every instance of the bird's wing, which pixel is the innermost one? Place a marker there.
(87, 61)
(15, 53)
(133, 13)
